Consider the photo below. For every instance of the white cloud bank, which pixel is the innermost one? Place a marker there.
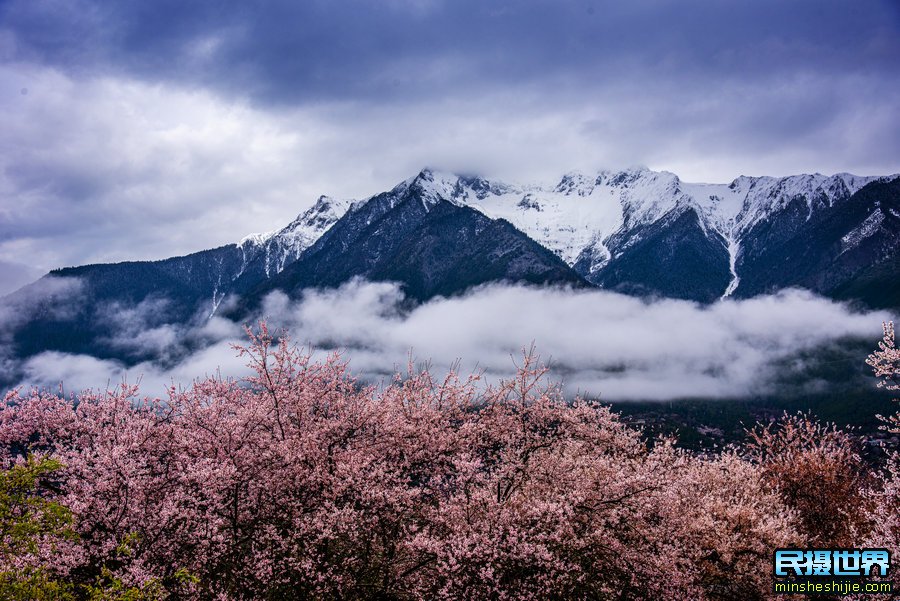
(597, 343)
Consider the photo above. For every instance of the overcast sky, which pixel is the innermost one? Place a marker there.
(132, 129)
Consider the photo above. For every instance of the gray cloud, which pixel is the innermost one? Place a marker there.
(75, 373)
(105, 170)
(15, 275)
(58, 298)
(284, 52)
(141, 329)
(597, 343)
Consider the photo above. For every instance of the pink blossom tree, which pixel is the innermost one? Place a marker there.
(818, 472)
(884, 511)
(300, 482)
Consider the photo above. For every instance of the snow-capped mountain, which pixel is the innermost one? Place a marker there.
(591, 220)
(278, 248)
(641, 231)
(419, 234)
(288, 242)
(635, 231)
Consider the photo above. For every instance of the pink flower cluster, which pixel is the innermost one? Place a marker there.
(884, 500)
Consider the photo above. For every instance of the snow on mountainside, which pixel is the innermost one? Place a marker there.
(281, 247)
(578, 217)
(581, 210)
(597, 222)
(866, 228)
(588, 220)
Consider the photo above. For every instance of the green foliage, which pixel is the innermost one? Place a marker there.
(26, 515)
(30, 521)
(26, 519)
(33, 585)
(109, 587)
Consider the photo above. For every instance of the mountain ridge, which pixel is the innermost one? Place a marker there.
(617, 206)
(637, 231)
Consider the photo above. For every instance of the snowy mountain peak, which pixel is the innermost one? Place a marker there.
(583, 216)
(434, 186)
(325, 211)
(281, 247)
(480, 188)
(580, 213)
(257, 239)
(575, 183)
(624, 177)
(308, 225)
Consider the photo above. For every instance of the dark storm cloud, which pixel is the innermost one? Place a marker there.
(285, 52)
